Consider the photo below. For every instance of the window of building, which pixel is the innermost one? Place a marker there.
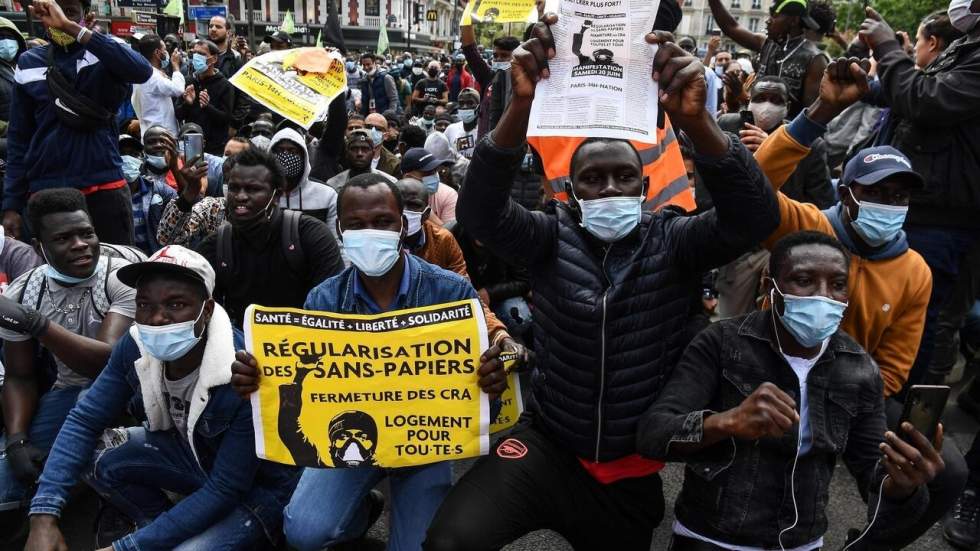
(754, 24)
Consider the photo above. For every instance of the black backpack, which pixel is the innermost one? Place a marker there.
(292, 248)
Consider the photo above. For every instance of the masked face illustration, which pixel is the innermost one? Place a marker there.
(603, 56)
(353, 439)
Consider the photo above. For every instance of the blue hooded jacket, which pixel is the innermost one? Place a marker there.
(41, 152)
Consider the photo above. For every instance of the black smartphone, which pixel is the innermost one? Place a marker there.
(193, 146)
(924, 407)
(747, 117)
(714, 32)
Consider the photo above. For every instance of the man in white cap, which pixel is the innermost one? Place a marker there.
(197, 439)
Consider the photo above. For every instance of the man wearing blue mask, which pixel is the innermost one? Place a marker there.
(463, 135)
(196, 441)
(760, 407)
(423, 165)
(154, 99)
(376, 126)
(333, 506)
(12, 44)
(72, 310)
(150, 195)
(209, 99)
(890, 282)
(611, 285)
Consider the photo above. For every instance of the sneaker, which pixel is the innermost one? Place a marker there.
(961, 527)
(111, 525)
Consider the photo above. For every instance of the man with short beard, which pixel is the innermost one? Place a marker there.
(221, 31)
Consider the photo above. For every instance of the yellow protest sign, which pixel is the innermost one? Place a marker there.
(499, 11)
(512, 405)
(283, 82)
(390, 390)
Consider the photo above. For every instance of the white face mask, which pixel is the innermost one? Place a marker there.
(373, 252)
(767, 115)
(414, 221)
(961, 17)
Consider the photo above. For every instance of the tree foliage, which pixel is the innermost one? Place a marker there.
(902, 15)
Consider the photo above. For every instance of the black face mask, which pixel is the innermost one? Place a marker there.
(433, 73)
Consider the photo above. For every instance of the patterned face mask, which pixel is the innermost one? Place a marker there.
(291, 164)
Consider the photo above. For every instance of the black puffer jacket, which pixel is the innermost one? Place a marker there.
(609, 320)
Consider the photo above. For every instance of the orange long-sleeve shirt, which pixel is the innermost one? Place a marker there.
(888, 298)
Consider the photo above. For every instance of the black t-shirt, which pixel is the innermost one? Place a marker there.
(431, 88)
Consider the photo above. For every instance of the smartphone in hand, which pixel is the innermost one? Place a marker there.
(924, 407)
(747, 117)
(193, 146)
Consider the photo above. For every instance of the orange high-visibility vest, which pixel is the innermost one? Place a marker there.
(662, 164)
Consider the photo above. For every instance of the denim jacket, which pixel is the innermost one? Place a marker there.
(427, 285)
(223, 442)
(739, 492)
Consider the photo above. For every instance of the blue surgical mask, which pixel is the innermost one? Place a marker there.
(158, 162)
(199, 62)
(350, 66)
(811, 320)
(719, 70)
(408, 62)
(131, 168)
(376, 137)
(169, 342)
(877, 224)
(500, 65)
(610, 219)
(164, 61)
(373, 252)
(8, 49)
(431, 183)
(54, 274)
(467, 115)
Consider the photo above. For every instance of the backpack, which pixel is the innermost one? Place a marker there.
(74, 109)
(292, 247)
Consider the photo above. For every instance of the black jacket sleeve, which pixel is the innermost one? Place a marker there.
(515, 285)
(487, 212)
(331, 144)
(320, 249)
(745, 213)
(942, 99)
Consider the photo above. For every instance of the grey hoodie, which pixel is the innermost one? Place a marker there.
(310, 197)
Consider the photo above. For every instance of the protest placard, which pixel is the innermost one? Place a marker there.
(512, 405)
(390, 390)
(499, 11)
(600, 83)
(299, 84)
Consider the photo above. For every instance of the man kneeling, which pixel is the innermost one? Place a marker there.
(199, 442)
(760, 406)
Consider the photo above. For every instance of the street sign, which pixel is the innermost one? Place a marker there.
(148, 4)
(203, 13)
(125, 29)
(145, 18)
(432, 15)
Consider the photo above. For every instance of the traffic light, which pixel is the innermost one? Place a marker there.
(418, 16)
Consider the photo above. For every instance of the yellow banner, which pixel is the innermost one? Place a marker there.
(278, 80)
(499, 11)
(512, 405)
(389, 390)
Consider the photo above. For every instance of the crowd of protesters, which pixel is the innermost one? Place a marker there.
(752, 296)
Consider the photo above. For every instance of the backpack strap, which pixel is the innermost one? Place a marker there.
(292, 245)
(34, 288)
(224, 255)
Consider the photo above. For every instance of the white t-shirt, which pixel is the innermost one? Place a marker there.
(153, 100)
(802, 367)
(460, 140)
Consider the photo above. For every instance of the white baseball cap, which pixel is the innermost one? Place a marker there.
(172, 259)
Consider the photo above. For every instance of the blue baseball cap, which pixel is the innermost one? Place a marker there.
(874, 164)
(418, 158)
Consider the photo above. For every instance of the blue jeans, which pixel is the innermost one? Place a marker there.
(515, 314)
(134, 468)
(943, 250)
(52, 409)
(329, 505)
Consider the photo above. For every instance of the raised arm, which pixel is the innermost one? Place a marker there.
(729, 25)
(478, 66)
(943, 99)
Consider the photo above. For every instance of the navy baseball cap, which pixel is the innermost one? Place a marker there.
(874, 164)
(418, 158)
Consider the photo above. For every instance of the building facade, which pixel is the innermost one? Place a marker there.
(698, 22)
